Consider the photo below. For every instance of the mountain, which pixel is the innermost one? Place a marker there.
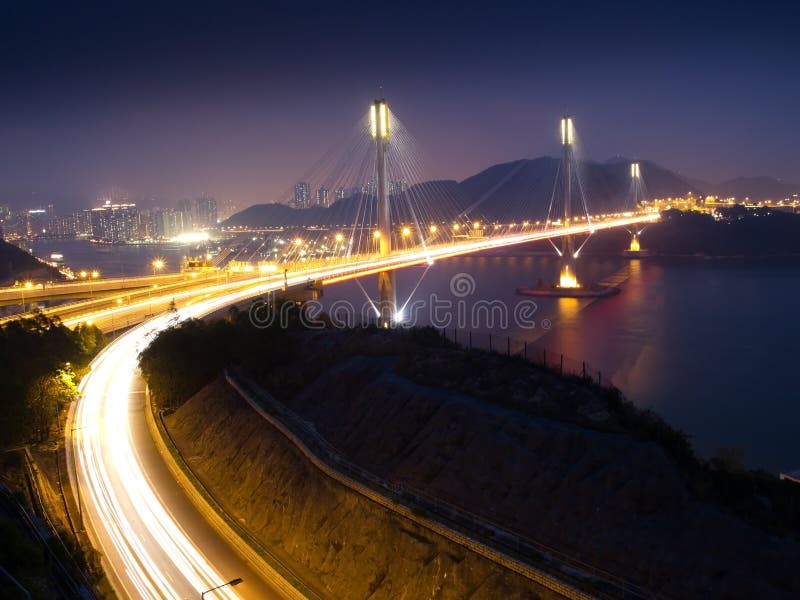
(756, 188)
(16, 264)
(522, 189)
(359, 207)
(515, 190)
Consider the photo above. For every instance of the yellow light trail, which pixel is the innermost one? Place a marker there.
(150, 554)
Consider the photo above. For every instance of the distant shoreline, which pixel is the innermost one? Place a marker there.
(697, 257)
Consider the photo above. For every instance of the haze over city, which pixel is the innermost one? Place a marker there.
(396, 301)
(238, 100)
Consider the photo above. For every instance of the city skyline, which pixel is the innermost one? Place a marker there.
(241, 103)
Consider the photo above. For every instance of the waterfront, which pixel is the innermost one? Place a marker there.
(709, 345)
(115, 261)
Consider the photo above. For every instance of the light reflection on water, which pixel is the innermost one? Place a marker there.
(710, 345)
(115, 261)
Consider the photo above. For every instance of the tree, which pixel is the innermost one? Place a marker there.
(44, 397)
(37, 357)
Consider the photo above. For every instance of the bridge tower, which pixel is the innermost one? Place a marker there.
(568, 277)
(636, 180)
(379, 128)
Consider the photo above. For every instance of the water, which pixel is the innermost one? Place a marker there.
(709, 345)
(115, 261)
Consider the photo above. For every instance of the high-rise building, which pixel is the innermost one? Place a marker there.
(398, 187)
(370, 188)
(339, 194)
(302, 195)
(115, 222)
(186, 208)
(167, 223)
(205, 212)
(60, 227)
(82, 222)
(36, 223)
(322, 197)
(225, 209)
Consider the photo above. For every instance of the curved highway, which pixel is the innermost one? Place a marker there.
(154, 543)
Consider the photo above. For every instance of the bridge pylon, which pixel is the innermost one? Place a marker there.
(636, 176)
(635, 249)
(380, 130)
(568, 277)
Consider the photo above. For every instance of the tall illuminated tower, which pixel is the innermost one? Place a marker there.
(379, 128)
(568, 277)
(636, 181)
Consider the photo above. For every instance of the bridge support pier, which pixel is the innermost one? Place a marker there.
(568, 277)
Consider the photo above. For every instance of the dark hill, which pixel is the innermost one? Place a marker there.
(447, 195)
(756, 188)
(16, 264)
(511, 191)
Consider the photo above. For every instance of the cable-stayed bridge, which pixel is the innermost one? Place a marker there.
(154, 542)
(397, 223)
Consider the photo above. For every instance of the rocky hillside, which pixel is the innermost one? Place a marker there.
(556, 460)
(605, 498)
(340, 543)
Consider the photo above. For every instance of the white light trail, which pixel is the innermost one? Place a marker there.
(150, 553)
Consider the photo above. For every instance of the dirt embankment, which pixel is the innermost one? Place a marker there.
(608, 499)
(340, 543)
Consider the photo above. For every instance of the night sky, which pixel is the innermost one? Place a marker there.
(239, 100)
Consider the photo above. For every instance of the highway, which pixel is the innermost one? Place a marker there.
(125, 299)
(83, 288)
(154, 543)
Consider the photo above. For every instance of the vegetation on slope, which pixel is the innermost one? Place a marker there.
(40, 359)
(181, 360)
(175, 369)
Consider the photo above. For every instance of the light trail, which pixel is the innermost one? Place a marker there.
(149, 552)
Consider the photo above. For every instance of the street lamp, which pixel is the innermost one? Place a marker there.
(26, 286)
(376, 236)
(150, 297)
(158, 264)
(94, 275)
(231, 583)
(75, 469)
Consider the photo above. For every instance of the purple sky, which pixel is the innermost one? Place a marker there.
(239, 101)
